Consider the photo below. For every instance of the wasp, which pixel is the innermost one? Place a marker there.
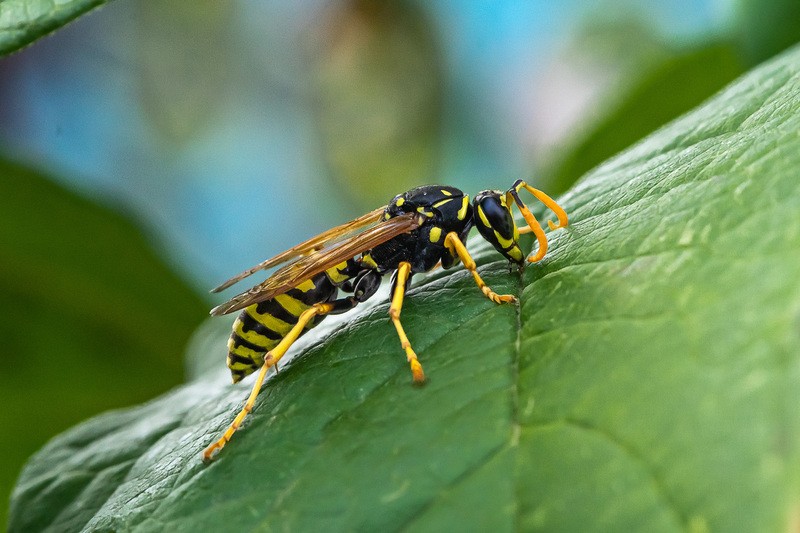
(417, 231)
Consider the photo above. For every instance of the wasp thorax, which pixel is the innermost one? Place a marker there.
(398, 206)
(495, 223)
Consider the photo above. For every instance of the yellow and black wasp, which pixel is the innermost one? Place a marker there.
(418, 230)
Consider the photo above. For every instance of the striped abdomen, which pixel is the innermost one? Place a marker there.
(260, 327)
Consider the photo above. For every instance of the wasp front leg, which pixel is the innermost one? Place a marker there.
(454, 244)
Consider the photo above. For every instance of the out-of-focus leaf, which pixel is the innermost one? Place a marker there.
(668, 89)
(24, 21)
(179, 93)
(766, 27)
(648, 381)
(91, 317)
(378, 99)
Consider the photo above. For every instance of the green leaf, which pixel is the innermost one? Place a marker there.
(92, 317)
(24, 21)
(649, 380)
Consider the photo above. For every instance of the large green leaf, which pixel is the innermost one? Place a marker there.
(24, 21)
(649, 380)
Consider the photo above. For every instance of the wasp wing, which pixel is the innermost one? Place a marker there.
(308, 266)
(310, 246)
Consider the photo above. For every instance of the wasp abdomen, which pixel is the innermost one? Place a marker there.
(260, 327)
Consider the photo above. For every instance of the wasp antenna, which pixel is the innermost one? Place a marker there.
(563, 220)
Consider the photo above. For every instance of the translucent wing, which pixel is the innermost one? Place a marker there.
(308, 266)
(310, 246)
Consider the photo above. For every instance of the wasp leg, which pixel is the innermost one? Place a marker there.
(454, 243)
(400, 283)
(270, 360)
(533, 224)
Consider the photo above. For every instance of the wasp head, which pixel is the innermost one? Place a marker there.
(495, 223)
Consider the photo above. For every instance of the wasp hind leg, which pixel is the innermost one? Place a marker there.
(270, 360)
(533, 224)
(401, 281)
(453, 242)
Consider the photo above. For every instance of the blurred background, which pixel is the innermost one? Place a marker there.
(151, 149)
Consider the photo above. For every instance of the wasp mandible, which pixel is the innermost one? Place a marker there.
(417, 231)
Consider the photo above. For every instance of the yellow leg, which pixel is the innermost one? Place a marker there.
(270, 360)
(403, 271)
(533, 224)
(453, 242)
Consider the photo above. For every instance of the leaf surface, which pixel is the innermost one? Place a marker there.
(649, 379)
(24, 21)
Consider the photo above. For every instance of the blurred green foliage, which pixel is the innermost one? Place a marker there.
(93, 319)
(180, 96)
(666, 90)
(662, 81)
(764, 28)
(377, 100)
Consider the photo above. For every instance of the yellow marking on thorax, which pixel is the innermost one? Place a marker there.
(293, 305)
(462, 213)
(436, 234)
(446, 193)
(421, 209)
(442, 202)
(335, 275)
(367, 260)
(306, 286)
(400, 201)
(278, 326)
